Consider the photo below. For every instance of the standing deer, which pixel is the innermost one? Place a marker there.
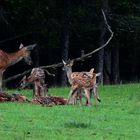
(37, 77)
(81, 81)
(78, 93)
(9, 59)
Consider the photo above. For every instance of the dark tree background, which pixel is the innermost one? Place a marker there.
(66, 29)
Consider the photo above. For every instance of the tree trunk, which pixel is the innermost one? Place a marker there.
(65, 39)
(100, 56)
(100, 66)
(36, 57)
(107, 67)
(65, 51)
(115, 65)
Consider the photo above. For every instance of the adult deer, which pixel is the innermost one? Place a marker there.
(9, 59)
(81, 81)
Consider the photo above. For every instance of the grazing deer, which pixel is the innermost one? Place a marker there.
(9, 59)
(37, 77)
(76, 96)
(81, 81)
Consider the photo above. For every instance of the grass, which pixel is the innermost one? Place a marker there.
(115, 118)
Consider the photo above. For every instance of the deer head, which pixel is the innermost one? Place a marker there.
(67, 65)
(23, 82)
(27, 52)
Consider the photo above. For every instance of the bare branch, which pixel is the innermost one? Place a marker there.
(16, 76)
(26, 72)
(101, 47)
(85, 56)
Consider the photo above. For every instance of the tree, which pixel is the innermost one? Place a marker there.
(101, 54)
(72, 26)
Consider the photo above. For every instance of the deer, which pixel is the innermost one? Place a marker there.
(80, 81)
(9, 59)
(78, 93)
(77, 96)
(37, 77)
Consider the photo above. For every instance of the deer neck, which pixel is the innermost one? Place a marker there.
(15, 57)
(69, 72)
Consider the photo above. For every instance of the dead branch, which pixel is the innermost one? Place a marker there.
(83, 57)
(16, 76)
(101, 47)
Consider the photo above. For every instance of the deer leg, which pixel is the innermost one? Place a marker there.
(36, 90)
(33, 91)
(75, 96)
(71, 94)
(39, 94)
(42, 86)
(1, 78)
(80, 98)
(79, 95)
(43, 91)
(87, 93)
(96, 96)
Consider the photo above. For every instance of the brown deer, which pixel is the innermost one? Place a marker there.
(37, 77)
(81, 81)
(78, 93)
(9, 59)
(77, 96)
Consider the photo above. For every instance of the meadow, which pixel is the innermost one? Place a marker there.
(117, 117)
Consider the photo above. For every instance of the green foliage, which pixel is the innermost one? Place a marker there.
(116, 117)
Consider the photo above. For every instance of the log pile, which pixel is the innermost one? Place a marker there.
(49, 100)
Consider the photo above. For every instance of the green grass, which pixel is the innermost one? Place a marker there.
(117, 117)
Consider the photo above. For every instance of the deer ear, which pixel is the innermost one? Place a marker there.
(21, 46)
(71, 62)
(24, 78)
(31, 47)
(63, 62)
(92, 70)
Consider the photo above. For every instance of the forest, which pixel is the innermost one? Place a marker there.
(67, 29)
